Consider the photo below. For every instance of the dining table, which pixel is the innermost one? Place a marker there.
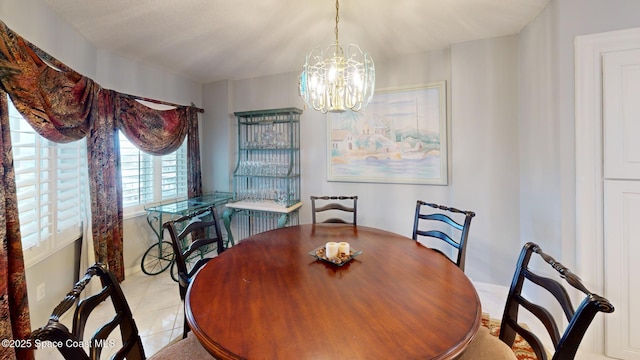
(271, 296)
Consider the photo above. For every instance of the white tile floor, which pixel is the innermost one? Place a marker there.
(158, 310)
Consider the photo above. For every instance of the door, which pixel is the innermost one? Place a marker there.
(621, 213)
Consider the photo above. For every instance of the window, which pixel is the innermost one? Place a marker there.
(51, 180)
(148, 179)
(49, 188)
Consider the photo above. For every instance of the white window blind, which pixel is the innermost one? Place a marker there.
(49, 189)
(148, 179)
(137, 174)
(174, 173)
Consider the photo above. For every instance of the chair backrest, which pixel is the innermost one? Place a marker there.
(440, 224)
(566, 342)
(67, 342)
(335, 204)
(193, 244)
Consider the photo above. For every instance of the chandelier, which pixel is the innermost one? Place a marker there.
(334, 80)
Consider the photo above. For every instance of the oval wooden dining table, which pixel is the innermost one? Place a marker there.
(267, 298)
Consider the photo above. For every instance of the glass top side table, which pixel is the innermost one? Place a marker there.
(159, 256)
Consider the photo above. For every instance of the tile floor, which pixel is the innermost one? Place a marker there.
(158, 310)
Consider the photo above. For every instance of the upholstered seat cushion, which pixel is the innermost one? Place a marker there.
(188, 348)
(487, 347)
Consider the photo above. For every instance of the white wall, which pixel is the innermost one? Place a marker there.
(546, 115)
(517, 92)
(547, 128)
(483, 169)
(485, 153)
(134, 78)
(218, 137)
(37, 23)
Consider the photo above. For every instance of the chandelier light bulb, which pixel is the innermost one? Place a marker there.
(332, 73)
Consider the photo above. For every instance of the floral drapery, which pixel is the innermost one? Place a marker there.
(62, 106)
(163, 133)
(14, 310)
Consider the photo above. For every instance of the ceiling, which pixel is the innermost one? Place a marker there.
(211, 40)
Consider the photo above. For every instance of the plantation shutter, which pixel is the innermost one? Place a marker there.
(49, 189)
(174, 173)
(137, 174)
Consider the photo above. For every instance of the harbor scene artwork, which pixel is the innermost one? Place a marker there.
(400, 137)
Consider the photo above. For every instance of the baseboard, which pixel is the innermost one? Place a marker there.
(132, 270)
(591, 356)
(493, 288)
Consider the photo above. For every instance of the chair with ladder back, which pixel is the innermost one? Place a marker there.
(339, 209)
(444, 223)
(565, 340)
(196, 239)
(105, 340)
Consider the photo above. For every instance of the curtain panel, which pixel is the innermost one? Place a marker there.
(62, 106)
(14, 308)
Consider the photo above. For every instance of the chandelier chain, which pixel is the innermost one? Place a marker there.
(337, 19)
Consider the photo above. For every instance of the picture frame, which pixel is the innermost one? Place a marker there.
(400, 137)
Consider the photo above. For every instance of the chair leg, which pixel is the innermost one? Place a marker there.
(185, 328)
(185, 325)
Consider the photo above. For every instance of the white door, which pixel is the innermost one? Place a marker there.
(621, 168)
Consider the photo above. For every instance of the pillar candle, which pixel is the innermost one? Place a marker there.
(331, 249)
(343, 247)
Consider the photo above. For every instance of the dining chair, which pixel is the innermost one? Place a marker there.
(74, 346)
(192, 237)
(565, 340)
(439, 223)
(338, 207)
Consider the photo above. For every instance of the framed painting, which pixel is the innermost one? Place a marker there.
(400, 137)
